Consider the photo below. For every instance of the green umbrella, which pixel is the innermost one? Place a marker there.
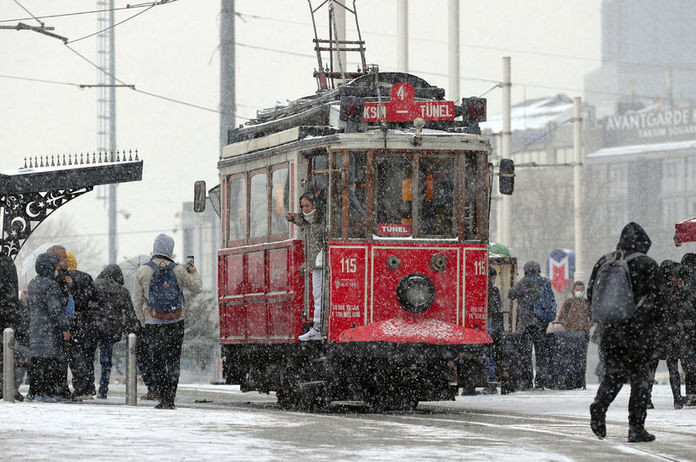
(499, 249)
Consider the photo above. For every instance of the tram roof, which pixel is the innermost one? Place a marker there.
(321, 109)
(307, 138)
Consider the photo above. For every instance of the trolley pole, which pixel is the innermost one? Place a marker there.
(131, 374)
(453, 31)
(402, 35)
(577, 187)
(504, 231)
(8, 366)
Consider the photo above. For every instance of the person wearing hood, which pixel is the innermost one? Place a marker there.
(48, 328)
(689, 324)
(110, 315)
(312, 224)
(164, 330)
(670, 335)
(526, 292)
(14, 315)
(65, 283)
(628, 346)
(82, 347)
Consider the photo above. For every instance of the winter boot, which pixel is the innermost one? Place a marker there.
(679, 402)
(690, 400)
(598, 420)
(639, 435)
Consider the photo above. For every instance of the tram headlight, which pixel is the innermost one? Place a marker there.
(416, 292)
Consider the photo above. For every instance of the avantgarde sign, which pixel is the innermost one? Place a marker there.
(402, 107)
(672, 122)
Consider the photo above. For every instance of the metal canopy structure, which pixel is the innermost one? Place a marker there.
(30, 194)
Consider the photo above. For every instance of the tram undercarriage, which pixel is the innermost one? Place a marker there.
(386, 376)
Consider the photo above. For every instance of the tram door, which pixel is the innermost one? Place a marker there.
(317, 183)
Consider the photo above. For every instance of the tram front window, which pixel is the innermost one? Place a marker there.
(436, 196)
(393, 197)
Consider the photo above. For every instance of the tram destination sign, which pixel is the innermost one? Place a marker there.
(402, 107)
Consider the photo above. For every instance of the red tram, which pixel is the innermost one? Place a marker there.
(404, 182)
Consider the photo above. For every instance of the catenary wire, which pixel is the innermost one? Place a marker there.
(115, 24)
(29, 12)
(78, 13)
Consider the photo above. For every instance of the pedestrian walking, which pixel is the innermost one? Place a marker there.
(48, 328)
(628, 340)
(159, 304)
(111, 314)
(536, 308)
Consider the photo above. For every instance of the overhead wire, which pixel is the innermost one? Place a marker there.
(28, 12)
(103, 10)
(115, 24)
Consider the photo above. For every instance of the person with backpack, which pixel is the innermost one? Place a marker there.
(110, 318)
(536, 307)
(158, 301)
(623, 294)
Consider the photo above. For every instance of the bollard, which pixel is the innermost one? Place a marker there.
(131, 373)
(8, 369)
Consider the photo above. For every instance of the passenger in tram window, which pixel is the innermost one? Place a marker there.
(394, 175)
(436, 198)
(311, 221)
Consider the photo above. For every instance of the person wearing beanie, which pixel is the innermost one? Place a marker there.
(164, 329)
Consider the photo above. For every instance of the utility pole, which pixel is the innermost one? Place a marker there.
(453, 30)
(504, 233)
(402, 35)
(106, 103)
(227, 77)
(577, 187)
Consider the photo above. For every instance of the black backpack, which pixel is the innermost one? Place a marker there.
(165, 294)
(612, 294)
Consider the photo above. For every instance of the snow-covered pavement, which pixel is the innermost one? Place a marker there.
(230, 425)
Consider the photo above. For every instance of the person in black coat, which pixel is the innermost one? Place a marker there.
(496, 363)
(526, 292)
(111, 315)
(628, 347)
(670, 332)
(48, 329)
(13, 314)
(82, 347)
(689, 325)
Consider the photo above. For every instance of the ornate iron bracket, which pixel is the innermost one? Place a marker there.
(22, 213)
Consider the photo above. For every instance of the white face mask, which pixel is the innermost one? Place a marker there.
(310, 216)
(579, 293)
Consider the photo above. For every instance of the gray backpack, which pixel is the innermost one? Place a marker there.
(612, 294)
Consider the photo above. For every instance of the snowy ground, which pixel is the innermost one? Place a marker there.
(230, 425)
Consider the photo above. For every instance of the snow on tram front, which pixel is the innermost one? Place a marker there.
(402, 180)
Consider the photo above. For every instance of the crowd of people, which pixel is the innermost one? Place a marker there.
(658, 324)
(64, 316)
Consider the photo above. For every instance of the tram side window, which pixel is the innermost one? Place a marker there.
(393, 196)
(357, 194)
(436, 196)
(258, 206)
(280, 192)
(236, 224)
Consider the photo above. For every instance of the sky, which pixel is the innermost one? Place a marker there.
(171, 50)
